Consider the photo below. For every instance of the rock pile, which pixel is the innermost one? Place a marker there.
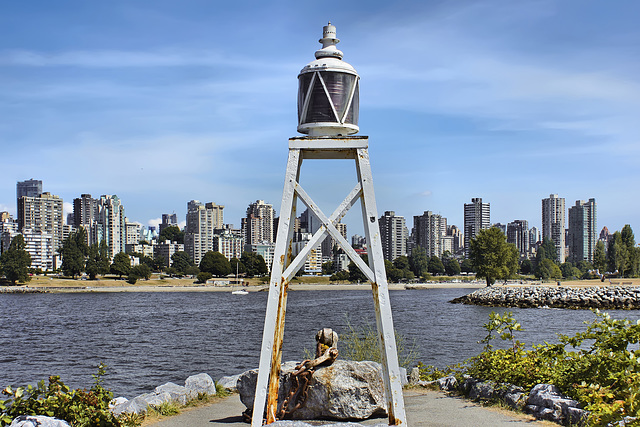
(169, 392)
(544, 401)
(609, 297)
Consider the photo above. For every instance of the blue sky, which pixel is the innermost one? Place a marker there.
(161, 102)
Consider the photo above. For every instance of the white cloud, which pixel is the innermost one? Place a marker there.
(154, 222)
(426, 193)
(67, 208)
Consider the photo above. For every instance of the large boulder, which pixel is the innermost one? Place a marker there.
(201, 383)
(177, 392)
(230, 383)
(346, 390)
(545, 402)
(37, 421)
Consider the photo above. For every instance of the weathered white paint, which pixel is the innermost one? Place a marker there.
(300, 148)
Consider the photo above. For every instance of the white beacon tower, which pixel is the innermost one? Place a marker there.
(328, 98)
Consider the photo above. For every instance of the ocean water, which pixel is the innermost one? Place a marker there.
(147, 339)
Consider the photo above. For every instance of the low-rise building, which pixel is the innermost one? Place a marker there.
(166, 250)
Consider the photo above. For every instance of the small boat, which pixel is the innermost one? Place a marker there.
(238, 291)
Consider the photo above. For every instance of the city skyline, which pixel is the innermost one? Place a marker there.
(161, 104)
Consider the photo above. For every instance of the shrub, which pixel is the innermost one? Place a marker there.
(601, 369)
(80, 407)
(202, 277)
(361, 343)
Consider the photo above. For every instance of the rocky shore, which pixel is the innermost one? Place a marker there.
(606, 297)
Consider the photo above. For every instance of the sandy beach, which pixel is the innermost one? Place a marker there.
(164, 284)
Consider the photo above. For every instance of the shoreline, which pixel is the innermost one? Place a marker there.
(215, 288)
(44, 284)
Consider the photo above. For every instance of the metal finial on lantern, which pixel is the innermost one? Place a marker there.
(328, 92)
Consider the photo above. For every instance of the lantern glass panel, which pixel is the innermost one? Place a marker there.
(319, 110)
(354, 109)
(303, 87)
(339, 86)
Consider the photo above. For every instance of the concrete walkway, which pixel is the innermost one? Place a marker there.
(424, 408)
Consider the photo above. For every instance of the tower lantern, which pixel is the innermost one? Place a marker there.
(328, 92)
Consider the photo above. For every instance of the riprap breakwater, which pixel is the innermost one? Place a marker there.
(603, 297)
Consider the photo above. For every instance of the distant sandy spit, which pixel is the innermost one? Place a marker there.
(47, 284)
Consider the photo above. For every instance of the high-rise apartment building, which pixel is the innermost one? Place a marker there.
(428, 232)
(8, 230)
(553, 220)
(258, 225)
(42, 214)
(28, 188)
(457, 239)
(534, 236)
(229, 242)
(477, 216)
(518, 234)
(329, 242)
(582, 231)
(393, 235)
(111, 224)
(39, 245)
(202, 222)
(168, 220)
(85, 213)
(133, 232)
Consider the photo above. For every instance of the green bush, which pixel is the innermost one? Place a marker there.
(81, 408)
(599, 367)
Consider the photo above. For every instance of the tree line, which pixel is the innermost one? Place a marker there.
(79, 258)
(492, 259)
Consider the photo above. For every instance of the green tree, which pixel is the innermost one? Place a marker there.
(435, 266)
(159, 263)
(548, 270)
(632, 264)
(15, 261)
(492, 257)
(467, 266)
(192, 271)
(97, 260)
(452, 267)
(393, 274)
(355, 275)
(569, 271)
(401, 263)
(327, 267)
(121, 264)
(203, 276)
(254, 264)
(617, 256)
(141, 271)
(600, 257)
(73, 251)
(339, 276)
(237, 267)
(548, 250)
(181, 261)
(215, 263)
(526, 266)
(419, 261)
(173, 234)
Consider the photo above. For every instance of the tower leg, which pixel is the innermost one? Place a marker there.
(380, 289)
(271, 352)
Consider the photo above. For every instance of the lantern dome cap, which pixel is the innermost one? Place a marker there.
(329, 42)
